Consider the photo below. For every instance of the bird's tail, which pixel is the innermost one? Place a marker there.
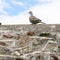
(42, 22)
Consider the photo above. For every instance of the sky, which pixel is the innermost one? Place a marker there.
(16, 11)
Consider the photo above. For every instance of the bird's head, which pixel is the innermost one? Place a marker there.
(30, 12)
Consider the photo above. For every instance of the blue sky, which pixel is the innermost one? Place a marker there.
(16, 11)
(14, 7)
(18, 6)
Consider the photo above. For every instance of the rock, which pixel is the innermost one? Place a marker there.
(3, 43)
(31, 33)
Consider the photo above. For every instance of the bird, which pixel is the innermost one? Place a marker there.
(34, 20)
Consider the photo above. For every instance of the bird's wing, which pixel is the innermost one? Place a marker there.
(33, 18)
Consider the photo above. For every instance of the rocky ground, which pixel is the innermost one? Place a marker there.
(27, 38)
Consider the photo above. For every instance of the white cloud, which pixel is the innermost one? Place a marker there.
(49, 13)
(19, 19)
(17, 3)
(3, 4)
(44, 0)
(2, 11)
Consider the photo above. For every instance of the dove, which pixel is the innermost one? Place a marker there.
(33, 19)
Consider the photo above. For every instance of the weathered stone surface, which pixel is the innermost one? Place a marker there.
(24, 28)
(27, 35)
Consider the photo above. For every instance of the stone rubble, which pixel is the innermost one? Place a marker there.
(24, 40)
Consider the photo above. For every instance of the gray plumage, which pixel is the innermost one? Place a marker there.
(33, 19)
